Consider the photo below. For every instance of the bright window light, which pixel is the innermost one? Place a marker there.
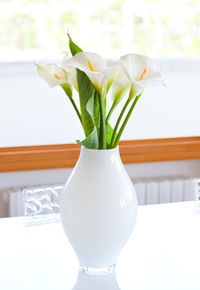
(31, 30)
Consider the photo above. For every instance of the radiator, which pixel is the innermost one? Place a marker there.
(45, 199)
(164, 190)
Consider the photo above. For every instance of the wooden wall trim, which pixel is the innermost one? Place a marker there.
(66, 155)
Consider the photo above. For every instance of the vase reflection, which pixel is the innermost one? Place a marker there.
(96, 282)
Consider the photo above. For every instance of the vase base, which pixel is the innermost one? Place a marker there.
(97, 271)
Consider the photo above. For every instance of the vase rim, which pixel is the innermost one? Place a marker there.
(100, 150)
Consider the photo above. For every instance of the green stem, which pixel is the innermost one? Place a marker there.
(126, 120)
(110, 112)
(118, 122)
(102, 130)
(76, 109)
(68, 92)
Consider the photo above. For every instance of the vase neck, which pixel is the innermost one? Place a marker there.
(100, 152)
(99, 156)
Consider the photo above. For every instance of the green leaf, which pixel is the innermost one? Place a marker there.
(74, 48)
(105, 105)
(96, 112)
(67, 88)
(109, 133)
(93, 109)
(88, 104)
(91, 141)
(86, 91)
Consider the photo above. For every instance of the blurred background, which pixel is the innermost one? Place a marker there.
(159, 28)
(36, 31)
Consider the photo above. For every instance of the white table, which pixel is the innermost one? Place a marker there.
(163, 253)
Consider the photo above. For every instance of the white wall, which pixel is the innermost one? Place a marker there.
(33, 114)
(186, 168)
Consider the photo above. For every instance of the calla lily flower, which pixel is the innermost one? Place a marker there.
(100, 71)
(122, 85)
(139, 69)
(53, 74)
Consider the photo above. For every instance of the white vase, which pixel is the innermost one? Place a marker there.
(98, 208)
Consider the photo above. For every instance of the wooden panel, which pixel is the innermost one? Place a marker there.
(133, 151)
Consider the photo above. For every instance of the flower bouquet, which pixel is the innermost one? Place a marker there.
(95, 79)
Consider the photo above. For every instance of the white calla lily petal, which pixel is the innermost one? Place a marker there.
(96, 67)
(86, 61)
(53, 74)
(120, 86)
(139, 68)
(135, 90)
(71, 75)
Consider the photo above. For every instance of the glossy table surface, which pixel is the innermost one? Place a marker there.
(163, 253)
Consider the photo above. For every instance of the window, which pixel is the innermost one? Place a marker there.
(37, 29)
